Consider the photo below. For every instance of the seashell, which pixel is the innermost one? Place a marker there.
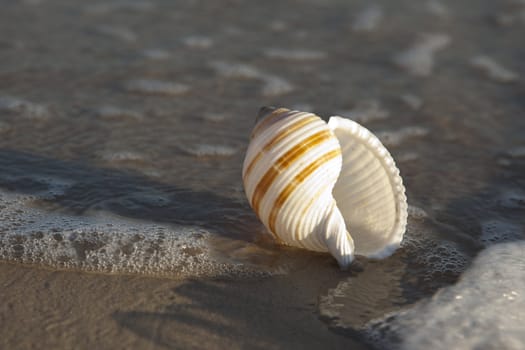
(327, 187)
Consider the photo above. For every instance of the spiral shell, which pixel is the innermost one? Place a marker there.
(324, 186)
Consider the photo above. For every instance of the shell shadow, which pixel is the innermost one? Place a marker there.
(247, 314)
(76, 188)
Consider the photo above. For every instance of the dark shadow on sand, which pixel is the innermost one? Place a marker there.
(271, 313)
(123, 193)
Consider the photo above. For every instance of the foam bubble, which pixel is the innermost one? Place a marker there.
(102, 242)
(438, 256)
(417, 213)
(432, 247)
(295, 54)
(485, 309)
(99, 243)
(366, 111)
(368, 19)
(156, 87)
(512, 199)
(497, 231)
(395, 138)
(493, 70)
(426, 263)
(419, 59)
(23, 107)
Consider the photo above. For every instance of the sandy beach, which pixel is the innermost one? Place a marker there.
(46, 309)
(124, 223)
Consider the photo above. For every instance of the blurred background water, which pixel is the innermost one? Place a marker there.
(123, 126)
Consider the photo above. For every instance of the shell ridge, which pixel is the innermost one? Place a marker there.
(338, 240)
(311, 182)
(306, 189)
(286, 132)
(267, 157)
(279, 112)
(282, 163)
(370, 141)
(297, 181)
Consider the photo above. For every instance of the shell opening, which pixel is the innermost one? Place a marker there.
(369, 191)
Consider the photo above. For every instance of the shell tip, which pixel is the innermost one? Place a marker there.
(263, 112)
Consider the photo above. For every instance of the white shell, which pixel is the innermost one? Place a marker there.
(323, 186)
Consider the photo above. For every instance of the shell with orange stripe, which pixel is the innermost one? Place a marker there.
(291, 166)
(311, 182)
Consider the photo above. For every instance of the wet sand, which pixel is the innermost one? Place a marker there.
(61, 310)
(72, 310)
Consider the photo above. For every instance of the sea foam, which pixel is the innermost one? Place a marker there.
(104, 242)
(484, 310)
(419, 59)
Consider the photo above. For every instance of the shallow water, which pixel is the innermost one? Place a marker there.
(123, 126)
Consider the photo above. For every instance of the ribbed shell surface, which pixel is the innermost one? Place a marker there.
(369, 191)
(291, 166)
